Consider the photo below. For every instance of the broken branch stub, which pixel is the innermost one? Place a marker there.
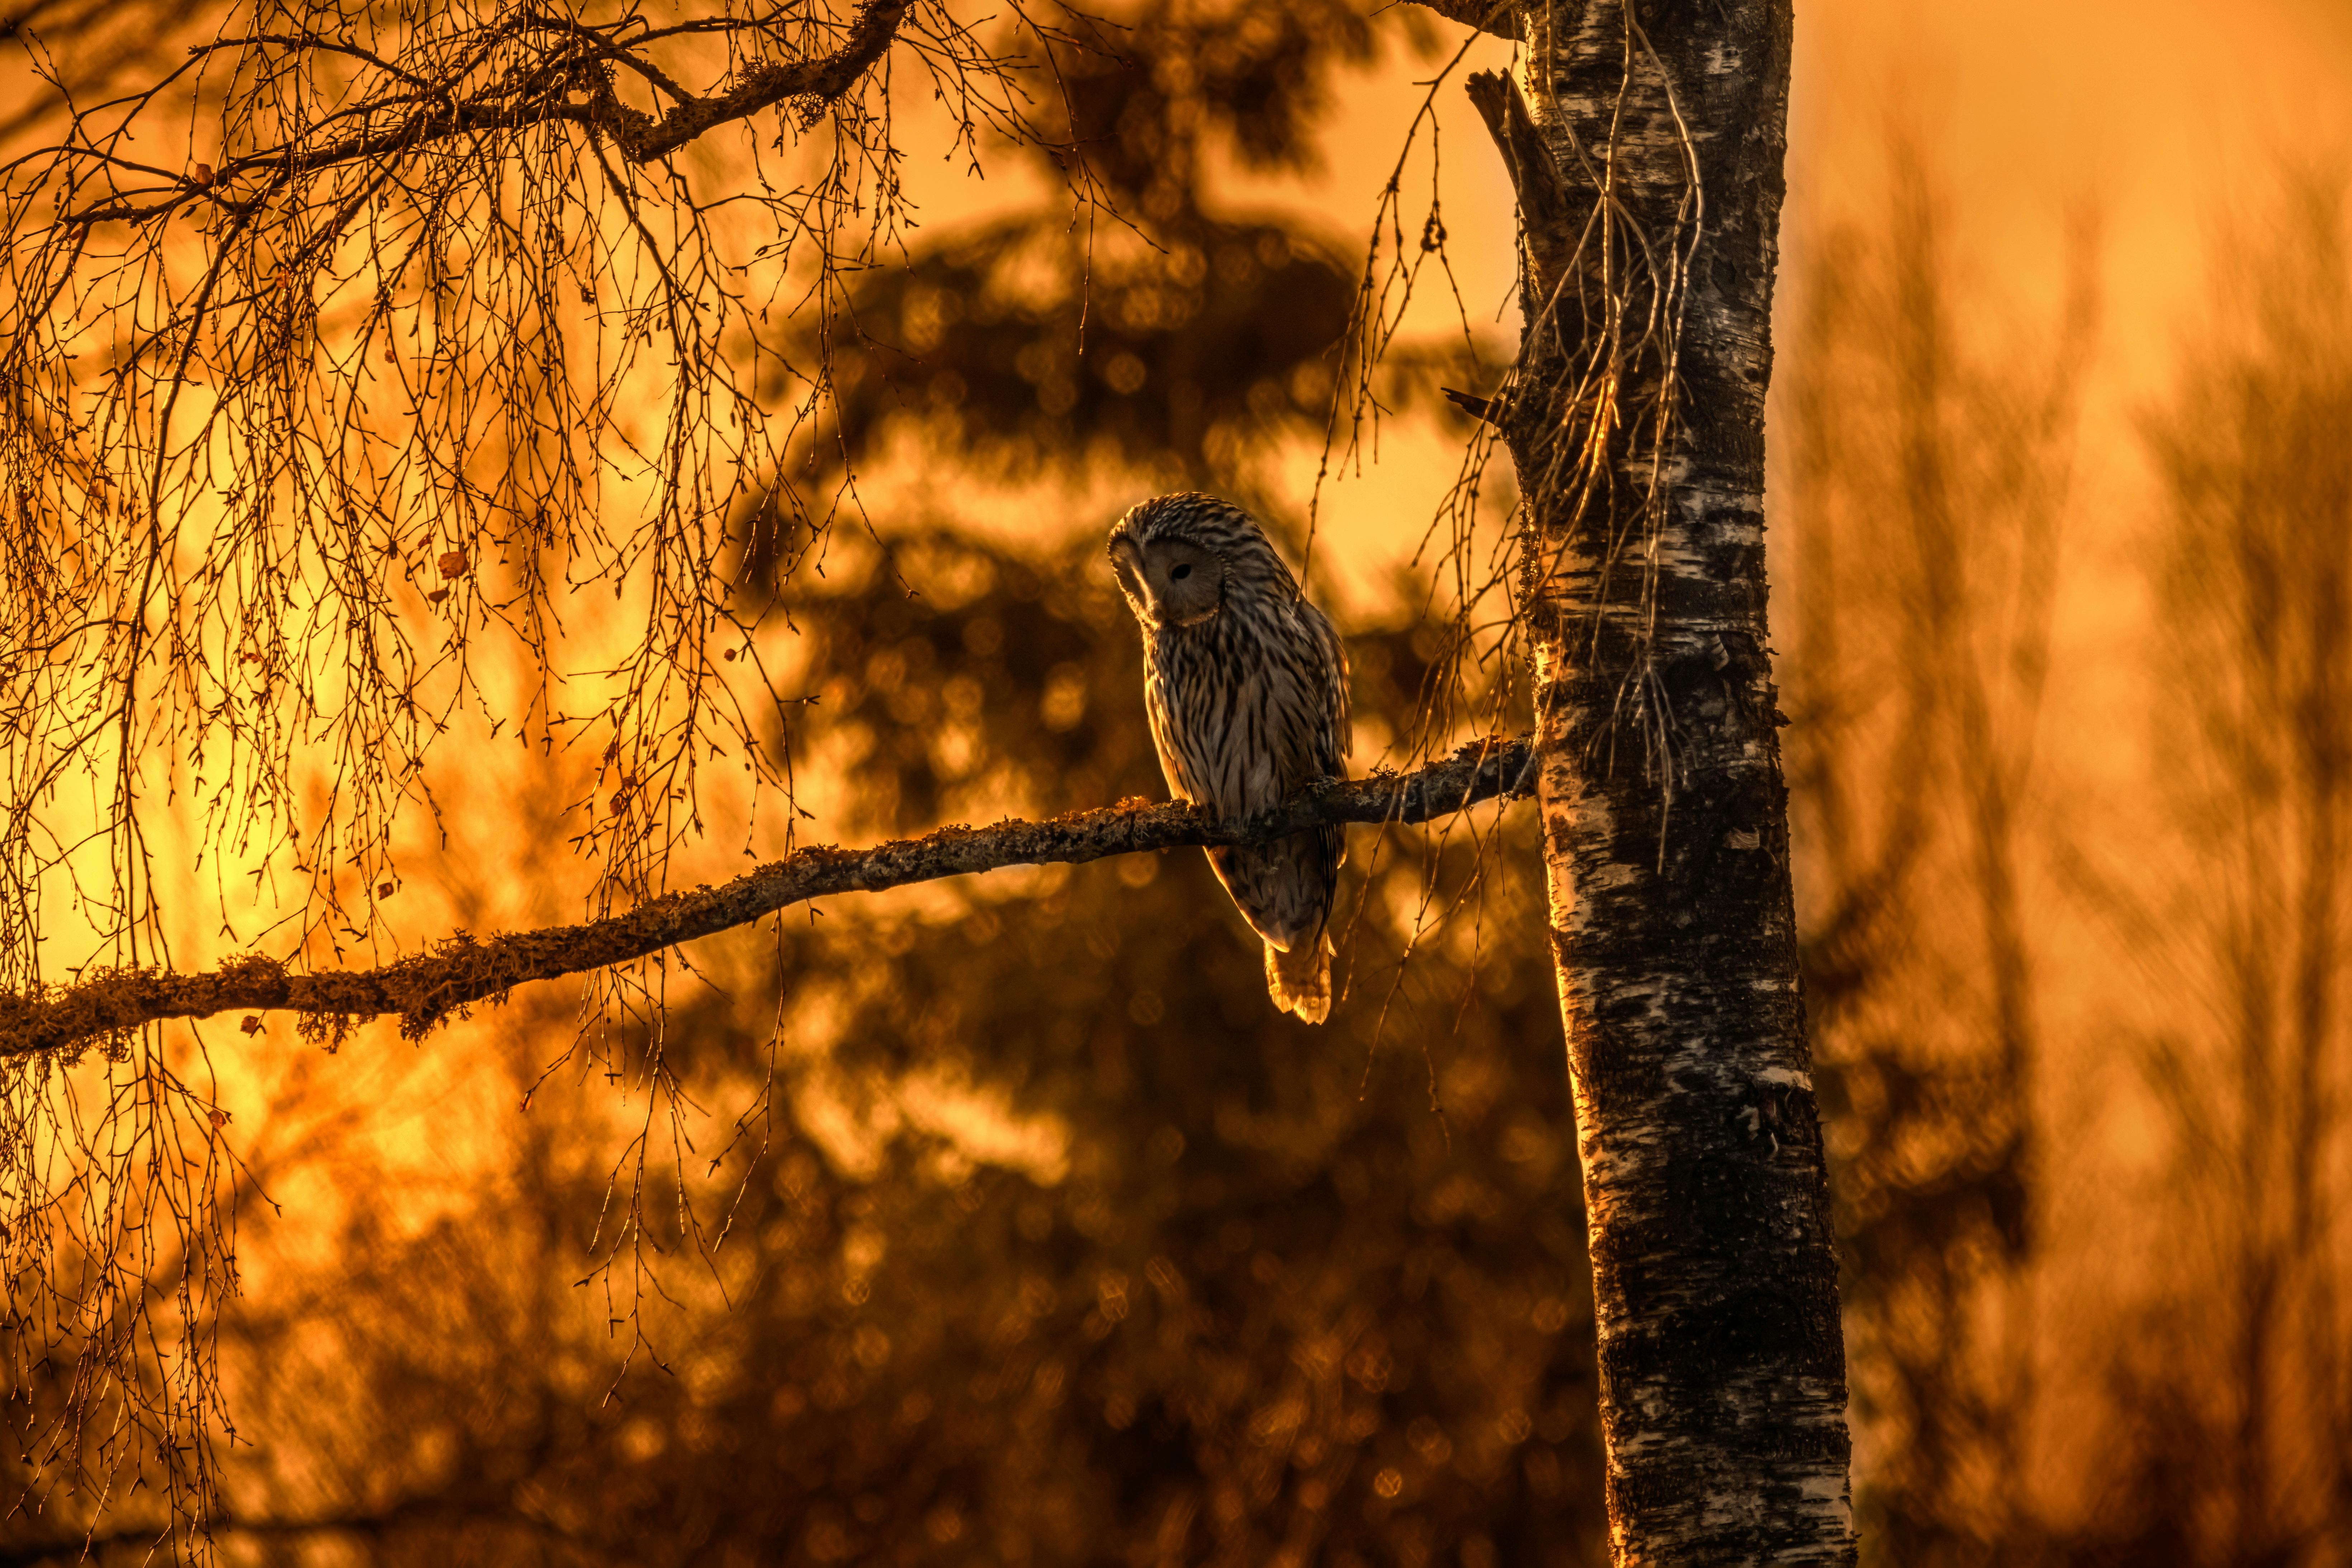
(1544, 204)
(1486, 15)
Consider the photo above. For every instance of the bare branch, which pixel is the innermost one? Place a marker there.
(543, 98)
(1500, 17)
(820, 80)
(426, 989)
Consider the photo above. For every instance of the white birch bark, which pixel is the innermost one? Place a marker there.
(1646, 144)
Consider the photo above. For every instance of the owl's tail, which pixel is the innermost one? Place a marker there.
(1299, 981)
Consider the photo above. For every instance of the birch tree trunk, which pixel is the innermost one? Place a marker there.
(1646, 141)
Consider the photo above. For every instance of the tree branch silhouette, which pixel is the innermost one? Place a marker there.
(428, 988)
(572, 84)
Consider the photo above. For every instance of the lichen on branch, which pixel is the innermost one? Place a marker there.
(428, 988)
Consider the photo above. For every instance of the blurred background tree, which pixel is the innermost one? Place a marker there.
(1926, 499)
(2253, 581)
(2164, 1386)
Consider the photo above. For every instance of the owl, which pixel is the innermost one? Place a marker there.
(1248, 689)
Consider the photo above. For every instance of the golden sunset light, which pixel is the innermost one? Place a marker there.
(1316, 786)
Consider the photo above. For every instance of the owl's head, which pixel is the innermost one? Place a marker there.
(1183, 558)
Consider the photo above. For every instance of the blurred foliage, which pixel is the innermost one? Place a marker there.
(1143, 327)
(1131, 320)
(91, 48)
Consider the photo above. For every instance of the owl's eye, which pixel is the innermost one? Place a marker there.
(1180, 573)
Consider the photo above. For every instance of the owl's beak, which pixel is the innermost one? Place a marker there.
(1126, 562)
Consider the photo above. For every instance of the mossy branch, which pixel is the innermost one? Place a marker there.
(430, 987)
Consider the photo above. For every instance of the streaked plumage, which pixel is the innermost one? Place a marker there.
(1246, 686)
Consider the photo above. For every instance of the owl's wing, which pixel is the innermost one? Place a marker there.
(1338, 742)
(1332, 737)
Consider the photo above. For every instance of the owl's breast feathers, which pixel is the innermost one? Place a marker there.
(1245, 709)
(1244, 713)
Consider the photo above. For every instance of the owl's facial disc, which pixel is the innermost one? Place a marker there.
(1184, 581)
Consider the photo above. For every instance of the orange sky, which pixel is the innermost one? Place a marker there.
(2156, 115)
